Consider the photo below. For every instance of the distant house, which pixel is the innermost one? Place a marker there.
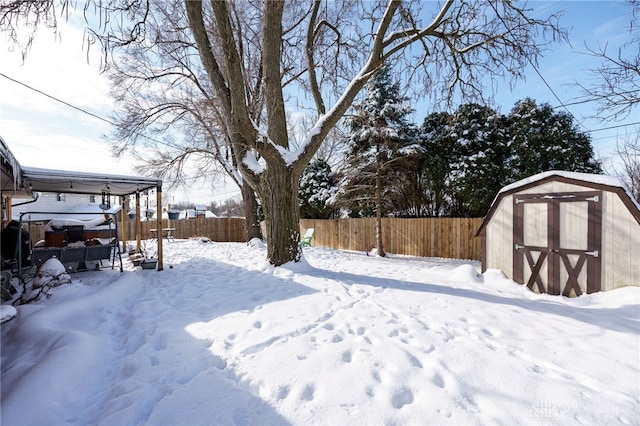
(184, 214)
(199, 212)
(53, 205)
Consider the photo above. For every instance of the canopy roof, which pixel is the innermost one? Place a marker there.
(10, 177)
(62, 181)
(17, 180)
(22, 181)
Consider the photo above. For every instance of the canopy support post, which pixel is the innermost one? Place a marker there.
(124, 202)
(159, 225)
(138, 225)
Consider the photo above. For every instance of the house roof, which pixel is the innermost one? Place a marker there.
(600, 182)
(47, 207)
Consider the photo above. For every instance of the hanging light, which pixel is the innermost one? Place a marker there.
(106, 201)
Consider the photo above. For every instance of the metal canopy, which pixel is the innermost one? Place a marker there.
(62, 181)
(10, 173)
(17, 181)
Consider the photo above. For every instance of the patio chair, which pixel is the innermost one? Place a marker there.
(306, 239)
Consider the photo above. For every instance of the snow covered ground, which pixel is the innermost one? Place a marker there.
(222, 338)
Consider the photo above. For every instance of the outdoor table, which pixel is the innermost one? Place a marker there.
(167, 233)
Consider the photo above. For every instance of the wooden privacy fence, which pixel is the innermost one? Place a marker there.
(216, 229)
(452, 238)
(429, 237)
(222, 229)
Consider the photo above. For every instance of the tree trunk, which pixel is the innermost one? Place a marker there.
(252, 220)
(278, 183)
(279, 194)
(380, 248)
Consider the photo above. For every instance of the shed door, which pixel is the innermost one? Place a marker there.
(557, 241)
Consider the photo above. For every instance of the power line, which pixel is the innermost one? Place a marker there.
(555, 95)
(616, 127)
(191, 178)
(57, 99)
(174, 146)
(600, 97)
(538, 72)
(84, 111)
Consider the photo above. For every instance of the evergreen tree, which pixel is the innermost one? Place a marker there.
(482, 153)
(433, 171)
(379, 138)
(473, 153)
(544, 140)
(317, 186)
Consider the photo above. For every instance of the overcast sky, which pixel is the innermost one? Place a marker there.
(42, 132)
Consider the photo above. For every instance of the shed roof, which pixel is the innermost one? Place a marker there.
(576, 176)
(601, 182)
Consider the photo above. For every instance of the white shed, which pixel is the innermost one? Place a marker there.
(564, 233)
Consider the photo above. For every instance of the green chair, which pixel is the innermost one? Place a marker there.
(306, 239)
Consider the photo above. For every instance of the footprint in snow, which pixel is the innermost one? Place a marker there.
(486, 332)
(207, 342)
(283, 392)
(159, 342)
(414, 361)
(438, 381)
(219, 363)
(308, 392)
(401, 398)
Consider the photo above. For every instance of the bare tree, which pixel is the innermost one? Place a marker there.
(616, 87)
(161, 89)
(461, 42)
(450, 46)
(628, 151)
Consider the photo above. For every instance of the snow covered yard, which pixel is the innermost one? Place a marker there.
(343, 338)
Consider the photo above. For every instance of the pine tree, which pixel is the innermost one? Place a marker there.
(480, 169)
(317, 186)
(473, 153)
(433, 174)
(544, 140)
(379, 138)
